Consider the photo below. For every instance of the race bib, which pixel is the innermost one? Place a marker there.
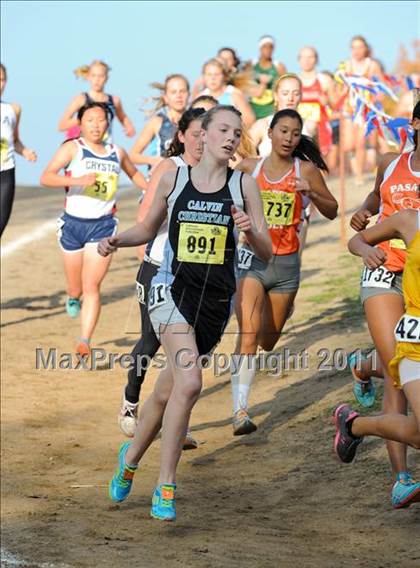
(201, 243)
(157, 295)
(4, 150)
(378, 278)
(104, 187)
(408, 329)
(397, 244)
(310, 111)
(279, 207)
(265, 99)
(245, 258)
(141, 293)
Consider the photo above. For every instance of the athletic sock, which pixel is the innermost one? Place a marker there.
(243, 372)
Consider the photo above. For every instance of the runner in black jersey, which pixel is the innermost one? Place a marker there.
(191, 295)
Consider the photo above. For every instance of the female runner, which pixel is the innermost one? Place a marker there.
(396, 188)
(186, 150)
(190, 297)
(10, 143)
(404, 368)
(287, 179)
(287, 94)
(96, 74)
(91, 170)
(162, 126)
(362, 65)
(216, 79)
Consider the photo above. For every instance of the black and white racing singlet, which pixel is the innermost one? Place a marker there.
(199, 254)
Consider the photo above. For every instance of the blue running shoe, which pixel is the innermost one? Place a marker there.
(364, 391)
(73, 307)
(120, 484)
(163, 502)
(405, 491)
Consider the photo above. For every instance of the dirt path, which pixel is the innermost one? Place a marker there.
(277, 498)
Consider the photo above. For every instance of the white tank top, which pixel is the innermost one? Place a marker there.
(154, 249)
(99, 199)
(7, 135)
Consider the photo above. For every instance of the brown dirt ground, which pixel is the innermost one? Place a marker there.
(278, 498)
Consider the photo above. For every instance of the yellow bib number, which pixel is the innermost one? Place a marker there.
(310, 111)
(104, 187)
(279, 207)
(265, 99)
(201, 243)
(4, 149)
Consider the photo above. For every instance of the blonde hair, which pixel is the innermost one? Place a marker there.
(242, 80)
(83, 70)
(283, 78)
(246, 148)
(159, 101)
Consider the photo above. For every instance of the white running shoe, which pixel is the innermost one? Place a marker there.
(127, 418)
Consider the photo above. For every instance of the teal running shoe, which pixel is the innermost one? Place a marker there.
(405, 491)
(73, 306)
(120, 484)
(163, 502)
(364, 391)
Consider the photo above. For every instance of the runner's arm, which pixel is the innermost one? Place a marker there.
(64, 155)
(143, 232)
(146, 136)
(123, 118)
(313, 185)
(20, 148)
(68, 120)
(401, 225)
(130, 169)
(257, 235)
(371, 204)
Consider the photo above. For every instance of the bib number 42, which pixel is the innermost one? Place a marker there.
(408, 329)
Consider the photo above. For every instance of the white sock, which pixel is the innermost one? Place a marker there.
(243, 372)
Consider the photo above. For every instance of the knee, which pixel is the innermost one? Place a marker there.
(162, 396)
(189, 390)
(90, 289)
(415, 441)
(248, 342)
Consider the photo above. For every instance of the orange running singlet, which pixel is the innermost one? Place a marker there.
(283, 207)
(399, 190)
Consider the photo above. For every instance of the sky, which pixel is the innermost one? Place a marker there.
(43, 42)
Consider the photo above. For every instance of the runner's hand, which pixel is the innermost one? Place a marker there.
(29, 155)
(374, 257)
(360, 219)
(107, 246)
(86, 180)
(303, 186)
(241, 219)
(129, 130)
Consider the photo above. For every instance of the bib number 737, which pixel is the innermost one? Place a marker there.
(378, 278)
(408, 329)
